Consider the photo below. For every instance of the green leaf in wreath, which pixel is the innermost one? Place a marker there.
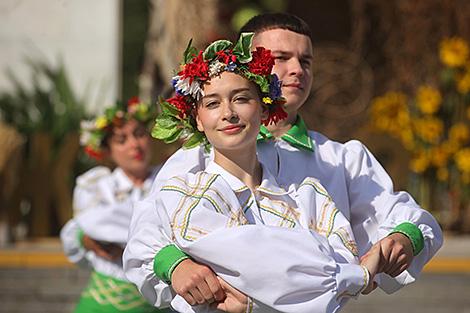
(215, 47)
(189, 52)
(242, 48)
(261, 81)
(167, 108)
(166, 128)
(195, 140)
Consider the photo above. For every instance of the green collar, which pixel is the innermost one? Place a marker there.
(297, 136)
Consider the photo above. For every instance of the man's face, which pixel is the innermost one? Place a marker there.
(293, 54)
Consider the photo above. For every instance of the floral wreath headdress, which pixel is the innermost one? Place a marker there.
(177, 119)
(93, 132)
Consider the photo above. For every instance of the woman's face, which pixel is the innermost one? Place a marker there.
(230, 112)
(129, 147)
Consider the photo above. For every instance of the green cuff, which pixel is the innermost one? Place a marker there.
(166, 260)
(413, 233)
(80, 237)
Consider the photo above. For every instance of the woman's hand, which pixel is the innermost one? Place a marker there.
(107, 251)
(234, 302)
(373, 262)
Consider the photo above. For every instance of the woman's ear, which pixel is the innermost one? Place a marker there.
(200, 127)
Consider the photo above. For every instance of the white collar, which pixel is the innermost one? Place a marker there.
(268, 182)
(125, 184)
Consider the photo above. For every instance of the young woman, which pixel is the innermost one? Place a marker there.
(287, 247)
(103, 202)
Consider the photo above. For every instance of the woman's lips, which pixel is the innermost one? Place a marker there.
(232, 129)
(139, 156)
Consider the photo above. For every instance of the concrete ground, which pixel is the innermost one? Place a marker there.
(36, 278)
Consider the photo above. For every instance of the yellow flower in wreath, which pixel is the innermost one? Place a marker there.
(429, 128)
(428, 99)
(454, 51)
(101, 122)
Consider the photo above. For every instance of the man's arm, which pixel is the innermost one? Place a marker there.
(391, 219)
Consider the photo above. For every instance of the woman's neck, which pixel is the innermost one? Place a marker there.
(242, 164)
(137, 178)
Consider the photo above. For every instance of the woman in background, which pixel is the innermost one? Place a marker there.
(103, 202)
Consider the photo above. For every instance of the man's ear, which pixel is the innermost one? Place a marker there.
(264, 112)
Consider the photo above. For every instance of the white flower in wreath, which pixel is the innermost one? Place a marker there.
(184, 87)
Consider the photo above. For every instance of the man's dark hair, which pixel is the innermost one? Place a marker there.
(269, 21)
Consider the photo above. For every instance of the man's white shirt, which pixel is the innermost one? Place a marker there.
(358, 184)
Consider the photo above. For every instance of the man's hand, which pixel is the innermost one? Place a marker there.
(397, 253)
(196, 283)
(107, 251)
(234, 302)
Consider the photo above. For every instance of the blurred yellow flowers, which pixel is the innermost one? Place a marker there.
(434, 125)
(428, 99)
(454, 51)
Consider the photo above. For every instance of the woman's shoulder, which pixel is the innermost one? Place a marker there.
(93, 176)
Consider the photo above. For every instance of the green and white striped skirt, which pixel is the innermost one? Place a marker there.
(106, 294)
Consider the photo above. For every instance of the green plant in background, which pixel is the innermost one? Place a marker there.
(47, 103)
(47, 113)
(433, 125)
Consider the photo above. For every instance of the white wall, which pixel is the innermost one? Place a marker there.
(84, 33)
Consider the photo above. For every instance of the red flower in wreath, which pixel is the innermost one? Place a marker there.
(97, 155)
(196, 68)
(262, 62)
(276, 114)
(225, 57)
(133, 101)
(181, 104)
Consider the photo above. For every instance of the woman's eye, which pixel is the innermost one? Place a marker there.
(140, 132)
(120, 140)
(211, 104)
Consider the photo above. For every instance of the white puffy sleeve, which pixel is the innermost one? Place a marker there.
(327, 220)
(85, 199)
(377, 210)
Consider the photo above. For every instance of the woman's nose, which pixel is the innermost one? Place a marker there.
(229, 113)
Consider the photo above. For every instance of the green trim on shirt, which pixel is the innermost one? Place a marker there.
(413, 233)
(80, 235)
(297, 136)
(166, 260)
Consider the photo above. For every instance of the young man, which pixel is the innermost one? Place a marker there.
(391, 223)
